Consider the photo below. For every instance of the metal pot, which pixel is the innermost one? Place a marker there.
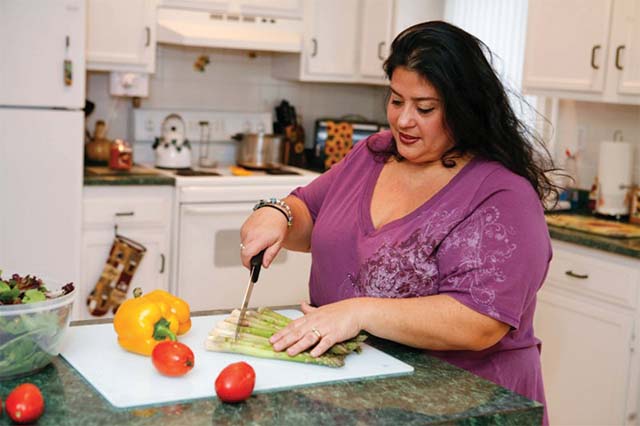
(259, 150)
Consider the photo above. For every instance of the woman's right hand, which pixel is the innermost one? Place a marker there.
(266, 228)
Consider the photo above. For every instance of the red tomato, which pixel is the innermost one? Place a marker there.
(25, 403)
(235, 382)
(172, 358)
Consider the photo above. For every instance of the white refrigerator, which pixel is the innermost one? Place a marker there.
(42, 93)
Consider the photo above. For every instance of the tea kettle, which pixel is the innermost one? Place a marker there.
(173, 150)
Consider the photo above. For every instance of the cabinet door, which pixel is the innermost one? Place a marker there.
(330, 46)
(210, 275)
(567, 44)
(36, 38)
(586, 359)
(152, 273)
(374, 37)
(626, 53)
(121, 35)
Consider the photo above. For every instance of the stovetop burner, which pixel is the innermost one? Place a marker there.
(281, 172)
(191, 172)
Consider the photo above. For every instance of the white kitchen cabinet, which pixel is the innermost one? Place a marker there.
(375, 37)
(39, 41)
(347, 41)
(584, 49)
(121, 35)
(587, 317)
(141, 213)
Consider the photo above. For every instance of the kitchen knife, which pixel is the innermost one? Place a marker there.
(256, 264)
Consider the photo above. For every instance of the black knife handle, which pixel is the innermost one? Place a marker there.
(256, 264)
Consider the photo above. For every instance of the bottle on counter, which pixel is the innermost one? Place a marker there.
(593, 196)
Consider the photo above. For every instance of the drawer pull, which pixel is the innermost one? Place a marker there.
(574, 275)
(124, 214)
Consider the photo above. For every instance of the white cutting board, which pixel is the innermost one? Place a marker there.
(126, 379)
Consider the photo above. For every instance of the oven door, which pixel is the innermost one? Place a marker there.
(210, 275)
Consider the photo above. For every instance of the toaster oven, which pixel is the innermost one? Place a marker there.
(334, 137)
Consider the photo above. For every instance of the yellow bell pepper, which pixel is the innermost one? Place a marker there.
(144, 321)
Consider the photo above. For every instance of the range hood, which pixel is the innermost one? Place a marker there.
(228, 31)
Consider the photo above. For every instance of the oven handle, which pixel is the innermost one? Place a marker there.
(220, 208)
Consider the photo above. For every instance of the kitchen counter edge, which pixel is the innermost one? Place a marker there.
(624, 246)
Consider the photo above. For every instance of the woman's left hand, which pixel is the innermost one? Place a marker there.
(322, 327)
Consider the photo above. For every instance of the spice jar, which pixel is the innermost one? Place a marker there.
(121, 157)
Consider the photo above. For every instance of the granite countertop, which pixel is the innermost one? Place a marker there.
(436, 393)
(138, 175)
(624, 246)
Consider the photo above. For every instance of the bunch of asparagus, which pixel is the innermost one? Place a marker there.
(253, 339)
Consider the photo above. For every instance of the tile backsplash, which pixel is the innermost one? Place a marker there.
(583, 125)
(232, 81)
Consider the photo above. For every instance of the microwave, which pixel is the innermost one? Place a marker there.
(334, 137)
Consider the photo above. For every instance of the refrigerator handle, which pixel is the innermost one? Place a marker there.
(67, 67)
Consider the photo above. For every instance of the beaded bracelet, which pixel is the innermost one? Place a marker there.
(278, 205)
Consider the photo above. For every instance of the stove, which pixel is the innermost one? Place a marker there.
(190, 172)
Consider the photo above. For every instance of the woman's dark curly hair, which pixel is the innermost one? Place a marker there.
(477, 112)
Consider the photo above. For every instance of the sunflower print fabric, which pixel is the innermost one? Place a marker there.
(339, 142)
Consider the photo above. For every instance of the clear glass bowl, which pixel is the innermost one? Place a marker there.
(31, 334)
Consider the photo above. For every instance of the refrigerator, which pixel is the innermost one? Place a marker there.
(42, 93)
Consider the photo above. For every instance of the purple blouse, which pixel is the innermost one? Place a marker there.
(482, 239)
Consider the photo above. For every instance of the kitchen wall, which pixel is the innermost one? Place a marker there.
(233, 81)
(583, 125)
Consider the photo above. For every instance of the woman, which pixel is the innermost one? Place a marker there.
(431, 234)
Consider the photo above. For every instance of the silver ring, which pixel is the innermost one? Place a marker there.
(316, 332)
(242, 247)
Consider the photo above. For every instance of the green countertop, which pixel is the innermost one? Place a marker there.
(138, 175)
(624, 246)
(437, 393)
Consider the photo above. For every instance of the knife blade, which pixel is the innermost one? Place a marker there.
(256, 264)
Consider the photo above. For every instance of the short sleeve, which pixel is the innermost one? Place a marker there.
(495, 260)
(313, 194)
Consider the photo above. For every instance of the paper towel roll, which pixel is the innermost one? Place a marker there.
(615, 168)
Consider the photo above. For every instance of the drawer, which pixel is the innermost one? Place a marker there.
(143, 211)
(596, 275)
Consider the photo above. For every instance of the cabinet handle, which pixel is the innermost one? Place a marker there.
(579, 276)
(124, 214)
(618, 50)
(380, 46)
(162, 263)
(314, 52)
(148, 32)
(593, 56)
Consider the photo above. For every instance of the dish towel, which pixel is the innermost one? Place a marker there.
(339, 142)
(112, 286)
